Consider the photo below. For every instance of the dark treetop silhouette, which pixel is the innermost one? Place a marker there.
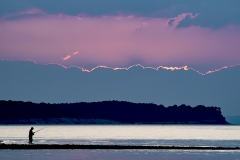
(107, 112)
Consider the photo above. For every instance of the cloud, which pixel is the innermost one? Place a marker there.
(69, 56)
(212, 15)
(176, 20)
(47, 83)
(20, 14)
(143, 25)
(31, 11)
(75, 53)
(66, 58)
(117, 41)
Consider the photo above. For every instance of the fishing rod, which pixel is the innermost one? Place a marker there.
(40, 129)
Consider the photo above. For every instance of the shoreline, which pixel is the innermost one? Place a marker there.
(79, 146)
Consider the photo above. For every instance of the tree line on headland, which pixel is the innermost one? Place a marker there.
(107, 112)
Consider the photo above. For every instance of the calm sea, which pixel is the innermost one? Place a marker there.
(167, 135)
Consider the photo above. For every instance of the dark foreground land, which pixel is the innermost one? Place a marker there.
(73, 146)
(107, 112)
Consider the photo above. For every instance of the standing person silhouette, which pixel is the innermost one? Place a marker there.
(30, 136)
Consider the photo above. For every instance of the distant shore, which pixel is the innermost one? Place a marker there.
(107, 112)
(76, 146)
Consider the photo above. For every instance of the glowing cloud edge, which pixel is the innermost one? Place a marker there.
(185, 68)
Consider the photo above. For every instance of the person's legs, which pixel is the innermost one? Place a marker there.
(30, 140)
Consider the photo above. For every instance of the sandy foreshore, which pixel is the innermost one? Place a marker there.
(76, 146)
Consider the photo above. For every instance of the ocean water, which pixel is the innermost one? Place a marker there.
(167, 135)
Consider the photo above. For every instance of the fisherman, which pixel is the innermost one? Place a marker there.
(30, 136)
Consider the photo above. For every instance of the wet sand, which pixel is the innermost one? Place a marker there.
(74, 146)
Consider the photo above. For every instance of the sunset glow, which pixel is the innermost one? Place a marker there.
(115, 40)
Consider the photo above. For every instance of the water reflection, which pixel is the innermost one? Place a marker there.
(177, 135)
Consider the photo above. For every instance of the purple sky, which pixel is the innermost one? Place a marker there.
(121, 39)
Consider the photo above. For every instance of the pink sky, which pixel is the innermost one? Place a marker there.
(115, 40)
